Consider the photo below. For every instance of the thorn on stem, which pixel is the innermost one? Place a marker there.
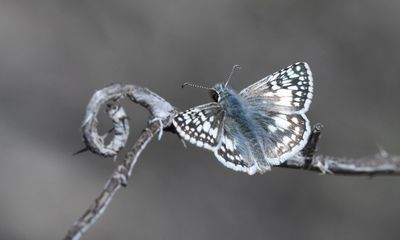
(85, 149)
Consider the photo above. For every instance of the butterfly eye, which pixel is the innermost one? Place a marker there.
(214, 95)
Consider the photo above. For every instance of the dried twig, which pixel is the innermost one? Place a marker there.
(161, 114)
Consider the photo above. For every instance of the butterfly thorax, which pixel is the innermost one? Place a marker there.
(230, 101)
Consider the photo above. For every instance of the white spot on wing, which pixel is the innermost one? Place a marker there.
(206, 126)
(286, 140)
(293, 87)
(229, 144)
(272, 128)
(213, 132)
(281, 123)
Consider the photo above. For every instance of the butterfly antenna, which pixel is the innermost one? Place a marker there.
(234, 68)
(195, 86)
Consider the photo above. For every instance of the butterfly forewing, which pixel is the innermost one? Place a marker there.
(289, 90)
(201, 125)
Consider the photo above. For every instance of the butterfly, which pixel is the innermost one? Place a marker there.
(261, 126)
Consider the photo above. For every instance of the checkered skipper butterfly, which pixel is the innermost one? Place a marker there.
(264, 125)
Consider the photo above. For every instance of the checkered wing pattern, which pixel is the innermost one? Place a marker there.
(201, 125)
(285, 135)
(289, 90)
(234, 155)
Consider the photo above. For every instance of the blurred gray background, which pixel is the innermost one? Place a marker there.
(55, 54)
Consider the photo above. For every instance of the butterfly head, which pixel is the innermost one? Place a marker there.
(218, 91)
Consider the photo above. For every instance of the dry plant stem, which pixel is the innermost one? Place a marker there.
(161, 114)
(159, 109)
(119, 178)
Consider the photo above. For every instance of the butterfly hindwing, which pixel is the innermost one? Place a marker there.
(235, 154)
(285, 135)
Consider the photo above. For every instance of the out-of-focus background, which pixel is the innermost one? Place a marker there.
(55, 54)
